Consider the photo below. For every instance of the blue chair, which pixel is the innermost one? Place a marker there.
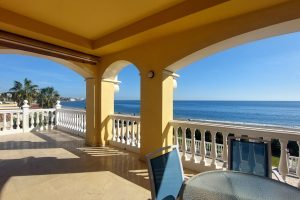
(252, 156)
(165, 173)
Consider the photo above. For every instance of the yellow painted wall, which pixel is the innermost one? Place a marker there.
(92, 112)
(159, 54)
(106, 109)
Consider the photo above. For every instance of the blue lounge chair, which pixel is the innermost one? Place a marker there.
(165, 173)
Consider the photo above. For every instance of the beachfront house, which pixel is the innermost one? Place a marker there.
(97, 39)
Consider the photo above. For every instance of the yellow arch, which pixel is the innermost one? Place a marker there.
(84, 70)
(113, 69)
(266, 32)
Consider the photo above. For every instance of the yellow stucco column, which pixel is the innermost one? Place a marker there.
(92, 112)
(156, 111)
(107, 89)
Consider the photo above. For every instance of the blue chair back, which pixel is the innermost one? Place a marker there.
(250, 156)
(165, 174)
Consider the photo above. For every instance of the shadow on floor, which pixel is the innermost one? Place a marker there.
(86, 159)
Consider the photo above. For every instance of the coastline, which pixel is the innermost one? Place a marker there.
(261, 114)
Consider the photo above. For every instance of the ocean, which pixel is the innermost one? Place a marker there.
(266, 113)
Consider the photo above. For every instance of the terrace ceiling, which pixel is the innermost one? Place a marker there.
(101, 27)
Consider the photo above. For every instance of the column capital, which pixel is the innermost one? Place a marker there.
(170, 73)
(89, 78)
(111, 81)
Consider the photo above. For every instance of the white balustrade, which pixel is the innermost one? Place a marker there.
(10, 121)
(41, 119)
(26, 119)
(126, 132)
(71, 121)
(199, 154)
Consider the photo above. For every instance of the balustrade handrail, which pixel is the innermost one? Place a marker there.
(191, 146)
(42, 110)
(274, 132)
(126, 117)
(73, 110)
(11, 111)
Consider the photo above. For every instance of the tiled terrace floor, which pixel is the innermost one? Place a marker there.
(57, 166)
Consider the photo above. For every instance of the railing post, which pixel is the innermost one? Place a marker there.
(225, 151)
(25, 109)
(283, 163)
(202, 148)
(213, 150)
(183, 149)
(57, 107)
(193, 144)
(298, 166)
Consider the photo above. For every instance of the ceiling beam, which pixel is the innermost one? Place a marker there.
(11, 21)
(14, 41)
(173, 13)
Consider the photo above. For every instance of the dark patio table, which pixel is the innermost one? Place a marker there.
(224, 185)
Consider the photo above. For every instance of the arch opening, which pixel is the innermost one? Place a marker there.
(263, 33)
(45, 72)
(79, 68)
(126, 79)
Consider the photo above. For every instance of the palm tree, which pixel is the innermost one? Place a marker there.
(21, 92)
(47, 97)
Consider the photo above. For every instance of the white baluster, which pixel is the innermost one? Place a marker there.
(73, 122)
(60, 118)
(114, 136)
(132, 133)
(69, 126)
(213, 150)
(46, 120)
(76, 122)
(176, 136)
(38, 121)
(4, 122)
(11, 127)
(193, 149)
(122, 131)
(283, 164)
(298, 165)
(203, 148)
(183, 148)
(127, 132)
(80, 122)
(225, 151)
(42, 127)
(84, 123)
(118, 130)
(52, 120)
(138, 134)
(18, 121)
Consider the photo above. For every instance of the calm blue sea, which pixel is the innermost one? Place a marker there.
(279, 113)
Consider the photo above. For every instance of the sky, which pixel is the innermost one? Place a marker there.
(267, 69)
